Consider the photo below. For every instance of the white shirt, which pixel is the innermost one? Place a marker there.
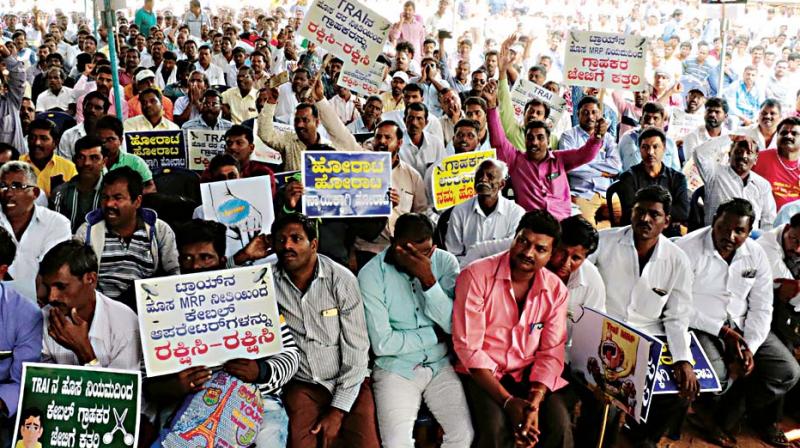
(656, 302)
(113, 334)
(345, 110)
(287, 102)
(699, 136)
(740, 292)
(434, 127)
(722, 183)
(46, 229)
(214, 74)
(772, 243)
(430, 152)
(48, 100)
(753, 132)
(66, 146)
(469, 225)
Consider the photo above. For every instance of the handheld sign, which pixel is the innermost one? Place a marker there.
(706, 377)
(70, 406)
(207, 318)
(160, 149)
(243, 205)
(525, 91)
(613, 61)
(453, 179)
(203, 146)
(346, 184)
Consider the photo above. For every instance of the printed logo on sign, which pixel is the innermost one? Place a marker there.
(211, 397)
(233, 211)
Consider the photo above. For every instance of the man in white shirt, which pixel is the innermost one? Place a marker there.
(56, 96)
(413, 93)
(716, 112)
(487, 216)
(732, 313)
(292, 94)
(204, 65)
(35, 228)
(648, 285)
(420, 148)
(82, 326)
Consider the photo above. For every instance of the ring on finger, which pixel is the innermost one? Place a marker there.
(191, 384)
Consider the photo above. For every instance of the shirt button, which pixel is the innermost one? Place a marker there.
(417, 308)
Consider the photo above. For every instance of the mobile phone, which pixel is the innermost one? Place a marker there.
(445, 34)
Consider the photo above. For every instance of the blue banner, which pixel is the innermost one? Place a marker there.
(342, 184)
(665, 383)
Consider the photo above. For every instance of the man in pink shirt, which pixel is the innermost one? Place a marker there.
(539, 175)
(509, 332)
(780, 166)
(410, 29)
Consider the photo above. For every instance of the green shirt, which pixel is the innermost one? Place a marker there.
(144, 20)
(135, 163)
(514, 132)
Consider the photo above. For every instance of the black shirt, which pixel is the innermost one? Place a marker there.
(637, 177)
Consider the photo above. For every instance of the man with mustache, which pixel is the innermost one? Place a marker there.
(129, 241)
(763, 132)
(451, 106)
(652, 171)
(648, 285)
(652, 115)
(724, 181)
(780, 166)
(509, 380)
(420, 149)
(393, 99)
(715, 115)
(731, 315)
(51, 169)
(329, 401)
(539, 176)
(487, 216)
(368, 117)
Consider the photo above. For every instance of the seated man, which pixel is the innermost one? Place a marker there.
(539, 175)
(408, 300)
(34, 228)
(83, 327)
(652, 171)
(109, 131)
(21, 321)
(732, 314)
(51, 169)
(201, 248)
(735, 179)
(129, 241)
(509, 380)
(487, 216)
(648, 285)
(653, 115)
(420, 149)
(329, 401)
(76, 198)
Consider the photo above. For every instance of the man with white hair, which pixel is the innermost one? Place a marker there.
(487, 216)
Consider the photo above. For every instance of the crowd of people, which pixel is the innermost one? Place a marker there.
(459, 317)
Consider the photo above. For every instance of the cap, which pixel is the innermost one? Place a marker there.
(516, 48)
(662, 71)
(144, 74)
(401, 75)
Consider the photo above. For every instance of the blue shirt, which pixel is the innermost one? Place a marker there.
(630, 155)
(401, 316)
(586, 180)
(21, 334)
(744, 103)
(786, 213)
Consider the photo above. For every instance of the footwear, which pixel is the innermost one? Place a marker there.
(711, 432)
(772, 435)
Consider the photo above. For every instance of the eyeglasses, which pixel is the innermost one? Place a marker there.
(14, 187)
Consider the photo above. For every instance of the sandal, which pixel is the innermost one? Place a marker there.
(711, 432)
(772, 435)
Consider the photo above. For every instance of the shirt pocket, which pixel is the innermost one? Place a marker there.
(650, 302)
(326, 323)
(739, 285)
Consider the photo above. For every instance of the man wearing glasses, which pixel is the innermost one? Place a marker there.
(109, 131)
(780, 166)
(34, 228)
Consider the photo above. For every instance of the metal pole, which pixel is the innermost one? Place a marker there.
(110, 23)
(95, 19)
(723, 30)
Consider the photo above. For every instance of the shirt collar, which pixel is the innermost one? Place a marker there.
(627, 240)
(499, 209)
(577, 278)
(98, 320)
(710, 250)
(504, 272)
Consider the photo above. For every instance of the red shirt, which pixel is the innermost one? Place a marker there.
(782, 174)
(489, 333)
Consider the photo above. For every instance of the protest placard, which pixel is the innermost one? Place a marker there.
(346, 184)
(207, 318)
(160, 149)
(227, 412)
(203, 145)
(347, 29)
(616, 358)
(525, 91)
(75, 406)
(281, 179)
(243, 205)
(364, 82)
(706, 377)
(682, 123)
(453, 180)
(262, 152)
(614, 61)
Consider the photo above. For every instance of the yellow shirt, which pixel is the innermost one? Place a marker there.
(241, 108)
(57, 166)
(140, 123)
(389, 103)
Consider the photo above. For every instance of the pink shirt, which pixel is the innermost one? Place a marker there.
(489, 333)
(413, 32)
(783, 175)
(540, 185)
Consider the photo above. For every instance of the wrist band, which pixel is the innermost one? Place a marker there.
(505, 403)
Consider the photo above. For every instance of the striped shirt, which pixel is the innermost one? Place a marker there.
(328, 324)
(278, 369)
(123, 262)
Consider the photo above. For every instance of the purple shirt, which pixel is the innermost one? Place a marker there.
(21, 334)
(540, 185)
(413, 32)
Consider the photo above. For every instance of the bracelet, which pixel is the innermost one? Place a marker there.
(505, 403)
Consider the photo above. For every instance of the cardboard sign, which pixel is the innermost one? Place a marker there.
(525, 91)
(70, 406)
(706, 377)
(346, 184)
(207, 318)
(453, 180)
(682, 124)
(243, 205)
(203, 146)
(160, 149)
(616, 358)
(363, 82)
(604, 60)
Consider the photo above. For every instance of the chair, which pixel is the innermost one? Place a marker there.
(440, 233)
(697, 215)
(612, 190)
(178, 182)
(173, 210)
(62, 120)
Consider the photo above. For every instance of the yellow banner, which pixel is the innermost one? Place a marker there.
(453, 180)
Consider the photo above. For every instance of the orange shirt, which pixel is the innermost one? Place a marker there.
(135, 108)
